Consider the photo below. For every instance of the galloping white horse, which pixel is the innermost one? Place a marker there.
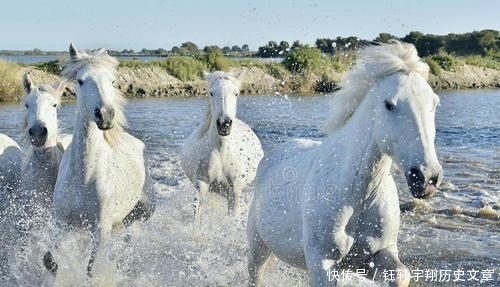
(223, 153)
(44, 151)
(334, 205)
(10, 163)
(103, 174)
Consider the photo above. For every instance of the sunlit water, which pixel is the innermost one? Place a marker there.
(170, 250)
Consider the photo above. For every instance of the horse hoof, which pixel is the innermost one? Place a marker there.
(49, 263)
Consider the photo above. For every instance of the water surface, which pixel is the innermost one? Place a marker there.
(169, 250)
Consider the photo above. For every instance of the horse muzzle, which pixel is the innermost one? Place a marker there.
(38, 134)
(104, 118)
(224, 126)
(422, 182)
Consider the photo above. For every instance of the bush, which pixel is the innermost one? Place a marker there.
(446, 62)
(215, 60)
(184, 68)
(343, 61)
(10, 84)
(306, 60)
(433, 66)
(51, 67)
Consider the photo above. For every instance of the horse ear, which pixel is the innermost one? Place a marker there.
(59, 87)
(237, 74)
(27, 83)
(73, 52)
(206, 74)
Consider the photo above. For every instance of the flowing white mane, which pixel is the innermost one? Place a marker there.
(373, 63)
(100, 58)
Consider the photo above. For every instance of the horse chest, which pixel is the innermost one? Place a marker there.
(223, 165)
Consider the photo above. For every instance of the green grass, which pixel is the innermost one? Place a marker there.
(433, 66)
(10, 84)
(448, 62)
(182, 67)
(492, 62)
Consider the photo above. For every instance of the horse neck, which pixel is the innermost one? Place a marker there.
(366, 161)
(46, 157)
(40, 168)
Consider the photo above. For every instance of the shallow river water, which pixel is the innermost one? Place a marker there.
(169, 250)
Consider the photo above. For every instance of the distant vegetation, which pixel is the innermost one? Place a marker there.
(317, 66)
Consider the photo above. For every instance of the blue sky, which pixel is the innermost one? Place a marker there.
(51, 25)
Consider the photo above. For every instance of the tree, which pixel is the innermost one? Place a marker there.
(283, 47)
(209, 49)
(325, 45)
(245, 48)
(236, 48)
(296, 45)
(226, 50)
(191, 48)
(384, 37)
(179, 51)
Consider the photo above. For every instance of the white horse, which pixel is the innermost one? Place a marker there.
(10, 164)
(103, 175)
(223, 153)
(334, 205)
(45, 147)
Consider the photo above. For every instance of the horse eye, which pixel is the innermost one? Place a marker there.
(237, 94)
(80, 82)
(26, 105)
(211, 94)
(389, 106)
(113, 82)
(54, 105)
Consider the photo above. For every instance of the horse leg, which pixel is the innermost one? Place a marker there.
(388, 259)
(259, 256)
(201, 197)
(233, 198)
(48, 260)
(100, 233)
(50, 263)
(146, 205)
(321, 253)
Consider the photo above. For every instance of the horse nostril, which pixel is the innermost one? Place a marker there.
(229, 122)
(44, 131)
(30, 131)
(112, 113)
(433, 180)
(416, 176)
(98, 114)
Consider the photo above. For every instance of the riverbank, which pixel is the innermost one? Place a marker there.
(156, 79)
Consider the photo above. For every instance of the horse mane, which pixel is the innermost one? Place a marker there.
(206, 124)
(100, 58)
(373, 63)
